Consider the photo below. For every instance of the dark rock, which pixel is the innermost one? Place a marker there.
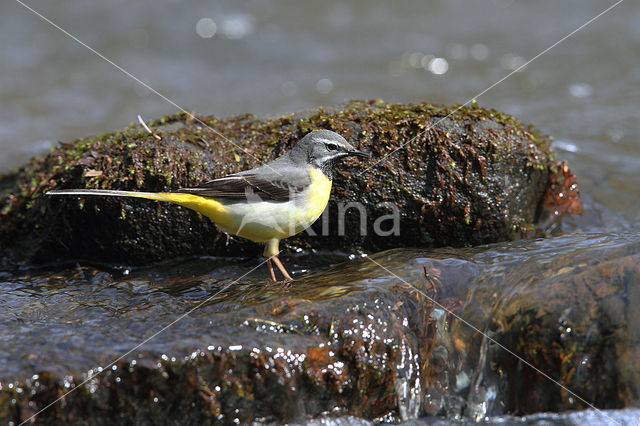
(456, 177)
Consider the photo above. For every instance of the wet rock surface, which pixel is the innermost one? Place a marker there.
(353, 339)
(456, 177)
(253, 350)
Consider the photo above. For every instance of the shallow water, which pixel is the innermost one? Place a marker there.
(279, 56)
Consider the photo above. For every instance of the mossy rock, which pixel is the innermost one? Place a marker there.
(457, 176)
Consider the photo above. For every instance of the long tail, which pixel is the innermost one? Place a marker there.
(160, 196)
(209, 207)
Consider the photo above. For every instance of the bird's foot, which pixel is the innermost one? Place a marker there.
(287, 278)
(280, 266)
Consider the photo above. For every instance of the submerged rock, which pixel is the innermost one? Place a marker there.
(559, 321)
(439, 176)
(579, 321)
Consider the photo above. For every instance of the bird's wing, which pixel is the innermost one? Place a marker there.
(249, 186)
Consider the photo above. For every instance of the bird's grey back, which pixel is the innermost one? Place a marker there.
(283, 169)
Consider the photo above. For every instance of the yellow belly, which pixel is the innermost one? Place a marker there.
(261, 221)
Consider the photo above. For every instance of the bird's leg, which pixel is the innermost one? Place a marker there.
(273, 275)
(280, 266)
(271, 251)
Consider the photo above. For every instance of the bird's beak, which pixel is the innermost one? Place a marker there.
(357, 153)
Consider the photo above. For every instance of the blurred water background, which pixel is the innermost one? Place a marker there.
(272, 57)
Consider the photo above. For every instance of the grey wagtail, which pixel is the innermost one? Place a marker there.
(265, 204)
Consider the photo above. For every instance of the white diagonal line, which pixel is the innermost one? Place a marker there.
(127, 73)
(486, 336)
(382, 159)
(493, 85)
(108, 366)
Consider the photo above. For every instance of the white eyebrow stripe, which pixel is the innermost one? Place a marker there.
(327, 140)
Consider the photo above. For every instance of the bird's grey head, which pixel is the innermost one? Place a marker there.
(323, 148)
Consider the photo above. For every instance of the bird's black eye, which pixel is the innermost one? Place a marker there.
(332, 147)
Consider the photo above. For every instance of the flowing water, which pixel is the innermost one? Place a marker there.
(275, 57)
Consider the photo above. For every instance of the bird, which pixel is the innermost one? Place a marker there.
(265, 204)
